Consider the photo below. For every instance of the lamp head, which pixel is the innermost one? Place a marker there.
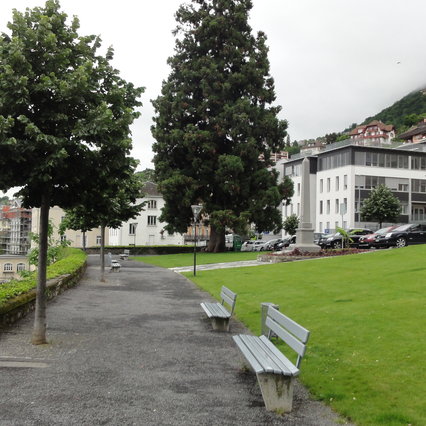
(196, 209)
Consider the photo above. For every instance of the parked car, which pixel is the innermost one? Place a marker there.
(268, 245)
(284, 243)
(370, 240)
(402, 236)
(252, 245)
(336, 240)
(320, 238)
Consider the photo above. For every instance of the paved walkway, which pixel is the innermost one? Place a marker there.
(207, 267)
(136, 350)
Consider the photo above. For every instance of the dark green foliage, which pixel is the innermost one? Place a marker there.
(290, 224)
(147, 175)
(381, 206)
(412, 104)
(214, 127)
(71, 260)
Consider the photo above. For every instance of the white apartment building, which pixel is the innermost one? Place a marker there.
(342, 177)
(146, 228)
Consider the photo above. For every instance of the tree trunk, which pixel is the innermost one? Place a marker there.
(39, 329)
(84, 240)
(102, 253)
(217, 241)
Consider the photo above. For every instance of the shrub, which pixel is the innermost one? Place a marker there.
(71, 260)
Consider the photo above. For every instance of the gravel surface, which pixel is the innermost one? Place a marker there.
(135, 350)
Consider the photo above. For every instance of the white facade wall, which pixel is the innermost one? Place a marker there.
(350, 184)
(145, 229)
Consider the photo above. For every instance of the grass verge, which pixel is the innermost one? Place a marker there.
(187, 259)
(367, 317)
(70, 260)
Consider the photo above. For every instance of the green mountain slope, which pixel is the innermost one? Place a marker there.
(413, 103)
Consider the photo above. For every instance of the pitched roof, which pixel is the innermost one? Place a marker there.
(413, 131)
(379, 124)
(150, 188)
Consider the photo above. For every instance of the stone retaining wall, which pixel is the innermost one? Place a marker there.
(21, 305)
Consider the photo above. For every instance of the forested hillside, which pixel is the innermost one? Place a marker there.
(403, 113)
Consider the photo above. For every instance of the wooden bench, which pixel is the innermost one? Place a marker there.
(217, 312)
(275, 372)
(115, 266)
(125, 254)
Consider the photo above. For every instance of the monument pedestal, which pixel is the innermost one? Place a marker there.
(305, 238)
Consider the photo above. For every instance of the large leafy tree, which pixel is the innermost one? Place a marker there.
(114, 205)
(381, 206)
(64, 118)
(215, 126)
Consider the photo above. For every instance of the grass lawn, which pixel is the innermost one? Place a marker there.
(367, 317)
(187, 259)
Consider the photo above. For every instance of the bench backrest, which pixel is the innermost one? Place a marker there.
(229, 297)
(289, 331)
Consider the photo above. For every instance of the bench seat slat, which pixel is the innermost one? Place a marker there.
(215, 310)
(263, 356)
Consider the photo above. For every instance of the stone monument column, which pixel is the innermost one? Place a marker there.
(305, 232)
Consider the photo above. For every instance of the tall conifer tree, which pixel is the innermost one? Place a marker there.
(215, 126)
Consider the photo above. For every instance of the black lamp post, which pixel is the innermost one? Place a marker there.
(196, 209)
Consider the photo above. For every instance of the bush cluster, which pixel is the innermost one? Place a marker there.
(70, 261)
(323, 253)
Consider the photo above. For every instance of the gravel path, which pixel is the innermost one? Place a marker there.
(135, 350)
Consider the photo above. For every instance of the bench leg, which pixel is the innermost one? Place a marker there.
(277, 391)
(220, 324)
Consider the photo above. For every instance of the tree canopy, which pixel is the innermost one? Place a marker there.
(65, 116)
(381, 206)
(215, 126)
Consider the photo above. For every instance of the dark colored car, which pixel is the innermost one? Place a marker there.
(320, 238)
(370, 240)
(403, 235)
(336, 240)
(284, 243)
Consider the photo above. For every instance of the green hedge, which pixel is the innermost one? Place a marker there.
(70, 261)
(145, 250)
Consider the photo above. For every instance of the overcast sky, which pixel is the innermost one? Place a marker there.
(335, 62)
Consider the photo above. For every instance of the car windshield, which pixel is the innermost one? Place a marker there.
(402, 228)
(384, 230)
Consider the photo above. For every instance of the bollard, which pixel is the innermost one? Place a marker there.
(264, 311)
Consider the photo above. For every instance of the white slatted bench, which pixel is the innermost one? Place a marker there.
(125, 254)
(217, 312)
(115, 266)
(275, 372)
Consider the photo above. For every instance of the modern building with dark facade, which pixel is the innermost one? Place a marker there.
(344, 174)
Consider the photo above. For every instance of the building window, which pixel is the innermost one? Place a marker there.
(345, 202)
(336, 225)
(152, 204)
(132, 228)
(321, 211)
(328, 226)
(328, 206)
(8, 267)
(320, 226)
(328, 184)
(20, 267)
(298, 209)
(336, 206)
(321, 185)
(63, 238)
(298, 189)
(337, 183)
(345, 182)
(418, 185)
(152, 220)
(98, 240)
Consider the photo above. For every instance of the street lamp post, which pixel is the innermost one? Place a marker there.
(196, 209)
